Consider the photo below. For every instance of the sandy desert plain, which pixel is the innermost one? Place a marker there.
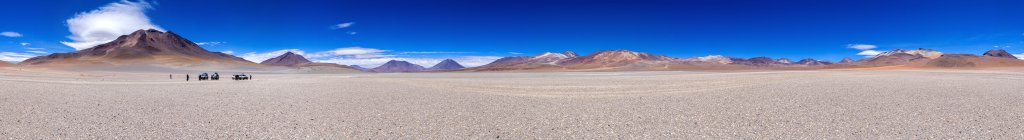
(846, 104)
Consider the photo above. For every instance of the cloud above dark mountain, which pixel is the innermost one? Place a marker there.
(105, 24)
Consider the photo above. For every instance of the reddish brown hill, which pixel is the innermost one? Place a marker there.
(892, 59)
(548, 60)
(756, 61)
(140, 47)
(613, 58)
(972, 61)
(999, 53)
(5, 64)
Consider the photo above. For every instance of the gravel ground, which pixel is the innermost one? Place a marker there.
(584, 105)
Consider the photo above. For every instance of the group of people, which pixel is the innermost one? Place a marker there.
(216, 76)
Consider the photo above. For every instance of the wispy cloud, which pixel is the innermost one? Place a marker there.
(16, 57)
(228, 52)
(343, 25)
(1019, 56)
(10, 34)
(515, 53)
(869, 53)
(260, 57)
(861, 46)
(865, 49)
(39, 52)
(434, 52)
(105, 24)
(211, 43)
(25, 43)
(352, 33)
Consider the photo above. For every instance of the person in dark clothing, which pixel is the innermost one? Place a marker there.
(186, 77)
(170, 76)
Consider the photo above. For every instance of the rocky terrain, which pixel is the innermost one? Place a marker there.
(520, 105)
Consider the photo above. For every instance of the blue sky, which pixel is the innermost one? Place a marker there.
(477, 31)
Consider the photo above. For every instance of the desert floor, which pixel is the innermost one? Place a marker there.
(570, 105)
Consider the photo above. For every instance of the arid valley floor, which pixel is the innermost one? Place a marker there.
(851, 104)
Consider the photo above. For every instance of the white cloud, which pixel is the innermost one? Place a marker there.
(354, 52)
(343, 25)
(869, 53)
(352, 33)
(862, 46)
(105, 24)
(10, 34)
(25, 43)
(34, 48)
(228, 52)
(260, 57)
(39, 52)
(10, 56)
(211, 43)
(515, 53)
(1019, 56)
(434, 52)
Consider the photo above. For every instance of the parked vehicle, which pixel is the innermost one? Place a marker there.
(204, 76)
(240, 77)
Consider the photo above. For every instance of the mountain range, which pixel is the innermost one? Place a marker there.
(154, 47)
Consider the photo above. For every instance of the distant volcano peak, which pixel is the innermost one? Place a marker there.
(148, 45)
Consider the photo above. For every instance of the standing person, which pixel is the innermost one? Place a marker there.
(170, 76)
(186, 77)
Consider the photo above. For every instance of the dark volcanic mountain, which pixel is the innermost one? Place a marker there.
(398, 66)
(447, 64)
(290, 59)
(143, 47)
(286, 59)
(999, 53)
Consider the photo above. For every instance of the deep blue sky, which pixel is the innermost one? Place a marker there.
(678, 28)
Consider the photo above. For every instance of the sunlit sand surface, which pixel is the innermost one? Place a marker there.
(844, 104)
